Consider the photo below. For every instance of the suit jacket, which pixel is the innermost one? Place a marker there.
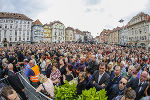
(15, 81)
(134, 84)
(104, 80)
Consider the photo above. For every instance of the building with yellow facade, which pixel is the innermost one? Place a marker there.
(47, 34)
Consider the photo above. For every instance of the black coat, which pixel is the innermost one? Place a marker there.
(81, 86)
(134, 84)
(104, 80)
(48, 70)
(93, 66)
(15, 81)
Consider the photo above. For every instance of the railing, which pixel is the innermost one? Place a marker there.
(30, 91)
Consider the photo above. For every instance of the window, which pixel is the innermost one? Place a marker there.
(5, 26)
(28, 38)
(0, 35)
(10, 39)
(5, 33)
(19, 38)
(140, 31)
(10, 33)
(11, 21)
(10, 26)
(0, 26)
(15, 35)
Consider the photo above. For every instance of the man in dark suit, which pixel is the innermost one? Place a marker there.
(15, 82)
(139, 85)
(100, 78)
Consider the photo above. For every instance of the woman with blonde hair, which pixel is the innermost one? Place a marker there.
(46, 86)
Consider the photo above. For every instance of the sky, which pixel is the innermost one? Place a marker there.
(86, 15)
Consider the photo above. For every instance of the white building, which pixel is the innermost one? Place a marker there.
(79, 36)
(87, 36)
(37, 32)
(123, 35)
(69, 34)
(58, 32)
(139, 30)
(14, 27)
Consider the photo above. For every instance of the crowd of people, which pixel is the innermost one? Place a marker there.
(123, 72)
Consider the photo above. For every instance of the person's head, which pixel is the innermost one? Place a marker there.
(102, 68)
(69, 67)
(54, 67)
(93, 58)
(25, 61)
(129, 94)
(123, 83)
(130, 69)
(136, 70)
(32, 57)
(48, 62)
(61, 61)
(122, 64)
(110, 65)
(10, 66)
(143, 76)
(146, 69)
(31, 63)
(82, 75)
(9, 93)
(42, 78)
(117, 70)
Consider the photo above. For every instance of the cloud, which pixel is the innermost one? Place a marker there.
(86, 15)
(91, 2)
(29, 7)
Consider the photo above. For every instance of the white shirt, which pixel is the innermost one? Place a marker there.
(100, 76)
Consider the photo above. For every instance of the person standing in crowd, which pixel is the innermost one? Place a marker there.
(100, 78)
(43, 64)
(62, 69)
(15, 82)
(55, 75)
(69, 75)
(48, 68)
(115, 77)
(82, 83)
(129, 94)
(93, 65)
(27, 71)
(118, 89)
(46, 85)
(35, 68)
(129, 73)
(139, 85)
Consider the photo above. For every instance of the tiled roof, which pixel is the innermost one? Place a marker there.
(78, 31)
(14, 16)
(37, 22)
(51, 23)
(69, 28)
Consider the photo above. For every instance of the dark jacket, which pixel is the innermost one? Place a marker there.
(93, 66)
(104, 80)
(48, 70)
(115, 91)
(134, 84)
(15, 81)
(81, 86)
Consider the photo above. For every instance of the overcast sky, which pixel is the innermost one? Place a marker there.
(86, 15)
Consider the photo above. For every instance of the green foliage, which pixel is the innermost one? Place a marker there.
(92, 94)
(65, 92)
(68, 92)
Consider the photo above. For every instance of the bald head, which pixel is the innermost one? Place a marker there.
(10, 66)
(143, 76)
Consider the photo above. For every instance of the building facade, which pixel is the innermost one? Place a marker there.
(139, 30)
(79, 36)
(15, 27)
(37, 32)
(104, 36)
(69, 34)
(87, 36)
(123, 35)
(58, 32)
(47, 34)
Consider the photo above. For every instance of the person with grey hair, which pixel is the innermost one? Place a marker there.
(15, 82)
(129, 94)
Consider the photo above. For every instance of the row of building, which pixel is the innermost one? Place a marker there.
(16, 28)
(135, 33)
